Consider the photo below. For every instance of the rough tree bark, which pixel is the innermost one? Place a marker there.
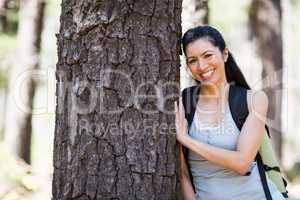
(108, 145)
(266, 24)
(21, 83)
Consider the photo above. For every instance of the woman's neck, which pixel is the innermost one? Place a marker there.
(214, 92)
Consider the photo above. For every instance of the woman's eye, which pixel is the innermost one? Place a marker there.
(207, 55)
(191, 62)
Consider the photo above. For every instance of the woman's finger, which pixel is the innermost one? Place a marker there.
(181, 108)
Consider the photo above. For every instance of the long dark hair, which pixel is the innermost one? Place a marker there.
(232, 71)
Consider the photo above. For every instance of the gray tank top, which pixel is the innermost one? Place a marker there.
(213, 182)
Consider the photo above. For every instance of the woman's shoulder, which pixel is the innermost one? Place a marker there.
(257, 100)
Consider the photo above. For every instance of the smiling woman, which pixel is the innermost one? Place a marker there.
(220, 151)
(206, 62)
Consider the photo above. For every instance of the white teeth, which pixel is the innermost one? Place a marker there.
(208, 73)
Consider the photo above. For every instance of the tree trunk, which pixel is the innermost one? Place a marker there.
(194, 13)
(265, 19)
(117, 76)
(3, 15)
(201, 12)
(21, 84)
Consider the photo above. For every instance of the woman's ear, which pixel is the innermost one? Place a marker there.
(225, 54)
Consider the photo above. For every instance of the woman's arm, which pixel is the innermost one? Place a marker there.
(186, 186)
(248, 143)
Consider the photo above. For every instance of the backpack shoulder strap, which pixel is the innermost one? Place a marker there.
(189, 100)
(239, 110)
(238, 105)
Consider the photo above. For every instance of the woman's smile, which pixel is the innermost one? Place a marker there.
(208, 74)
(206, 62)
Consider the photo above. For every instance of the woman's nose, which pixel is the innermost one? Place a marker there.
(201, 64)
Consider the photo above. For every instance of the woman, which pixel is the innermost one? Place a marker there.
(220, 155)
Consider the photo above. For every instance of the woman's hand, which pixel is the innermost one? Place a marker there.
(180, 122)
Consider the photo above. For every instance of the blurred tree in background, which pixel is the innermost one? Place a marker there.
(8, 30)
(8, 16)
(21, 83)
(201, 12)
(265, 20)
(3, 15)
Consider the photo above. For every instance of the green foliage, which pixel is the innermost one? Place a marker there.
(249, 8)
(3, 79)
(12, 17)
(294, 172)
(13, 21)
(52, 7)
(295, 3)
(8, 42)
(8, 45)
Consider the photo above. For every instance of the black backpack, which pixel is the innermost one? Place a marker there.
(239, 111)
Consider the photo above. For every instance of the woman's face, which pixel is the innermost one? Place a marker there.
(206, 62)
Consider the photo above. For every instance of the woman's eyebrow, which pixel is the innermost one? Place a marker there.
(207, 51)
(201, 53)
